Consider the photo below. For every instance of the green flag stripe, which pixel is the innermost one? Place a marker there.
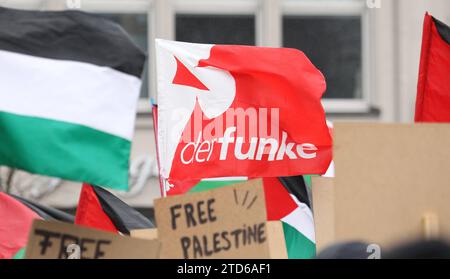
(297, 245)
(65, 150)
(20, 254)
(307, 179)
(206, 185)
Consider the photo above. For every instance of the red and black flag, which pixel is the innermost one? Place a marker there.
(15, 223)
(16, 217)
(433, 93)
(99, 209)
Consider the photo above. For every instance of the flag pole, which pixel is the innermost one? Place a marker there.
(155, 129)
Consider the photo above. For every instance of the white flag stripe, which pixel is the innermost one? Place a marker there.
(302, 220)
(80, 93)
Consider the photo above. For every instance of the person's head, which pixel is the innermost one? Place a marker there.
(434, 249)
(345, 250)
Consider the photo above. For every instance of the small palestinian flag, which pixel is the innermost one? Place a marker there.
(287, 201)
(433, 92)
(99, 209)
(43, 212)
(15, 223)
(69, 85)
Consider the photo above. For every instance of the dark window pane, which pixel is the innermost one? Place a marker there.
(334, 45)
(216, 29)
(136, 26)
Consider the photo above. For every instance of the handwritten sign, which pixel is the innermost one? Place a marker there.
(145, 233)
(229, 222)
(56, 240)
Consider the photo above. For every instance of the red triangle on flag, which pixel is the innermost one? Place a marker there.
(184, 77)
(90, 212)
(279, 202)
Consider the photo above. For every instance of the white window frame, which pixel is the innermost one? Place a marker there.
(342, 8)
(220, 7)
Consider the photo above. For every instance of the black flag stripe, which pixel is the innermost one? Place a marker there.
(70, 35)
(296, 186)
(124, 217)
(443, 30)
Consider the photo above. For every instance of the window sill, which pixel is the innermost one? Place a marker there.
(346, 106)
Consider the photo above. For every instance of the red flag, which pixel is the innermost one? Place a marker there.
(15, 223)
(90, 212)
(433, 94)
(102, 210)
(278, 200)
(239, 111)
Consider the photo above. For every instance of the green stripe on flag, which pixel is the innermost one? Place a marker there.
(65, 150)
(20, 254)
(206, 185)
(297, 245)
(308, 179)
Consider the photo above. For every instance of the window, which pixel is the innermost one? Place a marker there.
(334, 35)
(216, 21)
(333, 43)
(216, 29)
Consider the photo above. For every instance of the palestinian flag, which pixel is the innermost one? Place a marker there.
(433, 92)
(287, 200)
(15, 223)
(69, 85)
(99, 209)
(43, 212)
(291, 205)
(227, 110)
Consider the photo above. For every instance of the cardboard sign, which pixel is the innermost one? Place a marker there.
(145, 233)
(229, 222)
(56, 240)
(323, 205)
(392, 182)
